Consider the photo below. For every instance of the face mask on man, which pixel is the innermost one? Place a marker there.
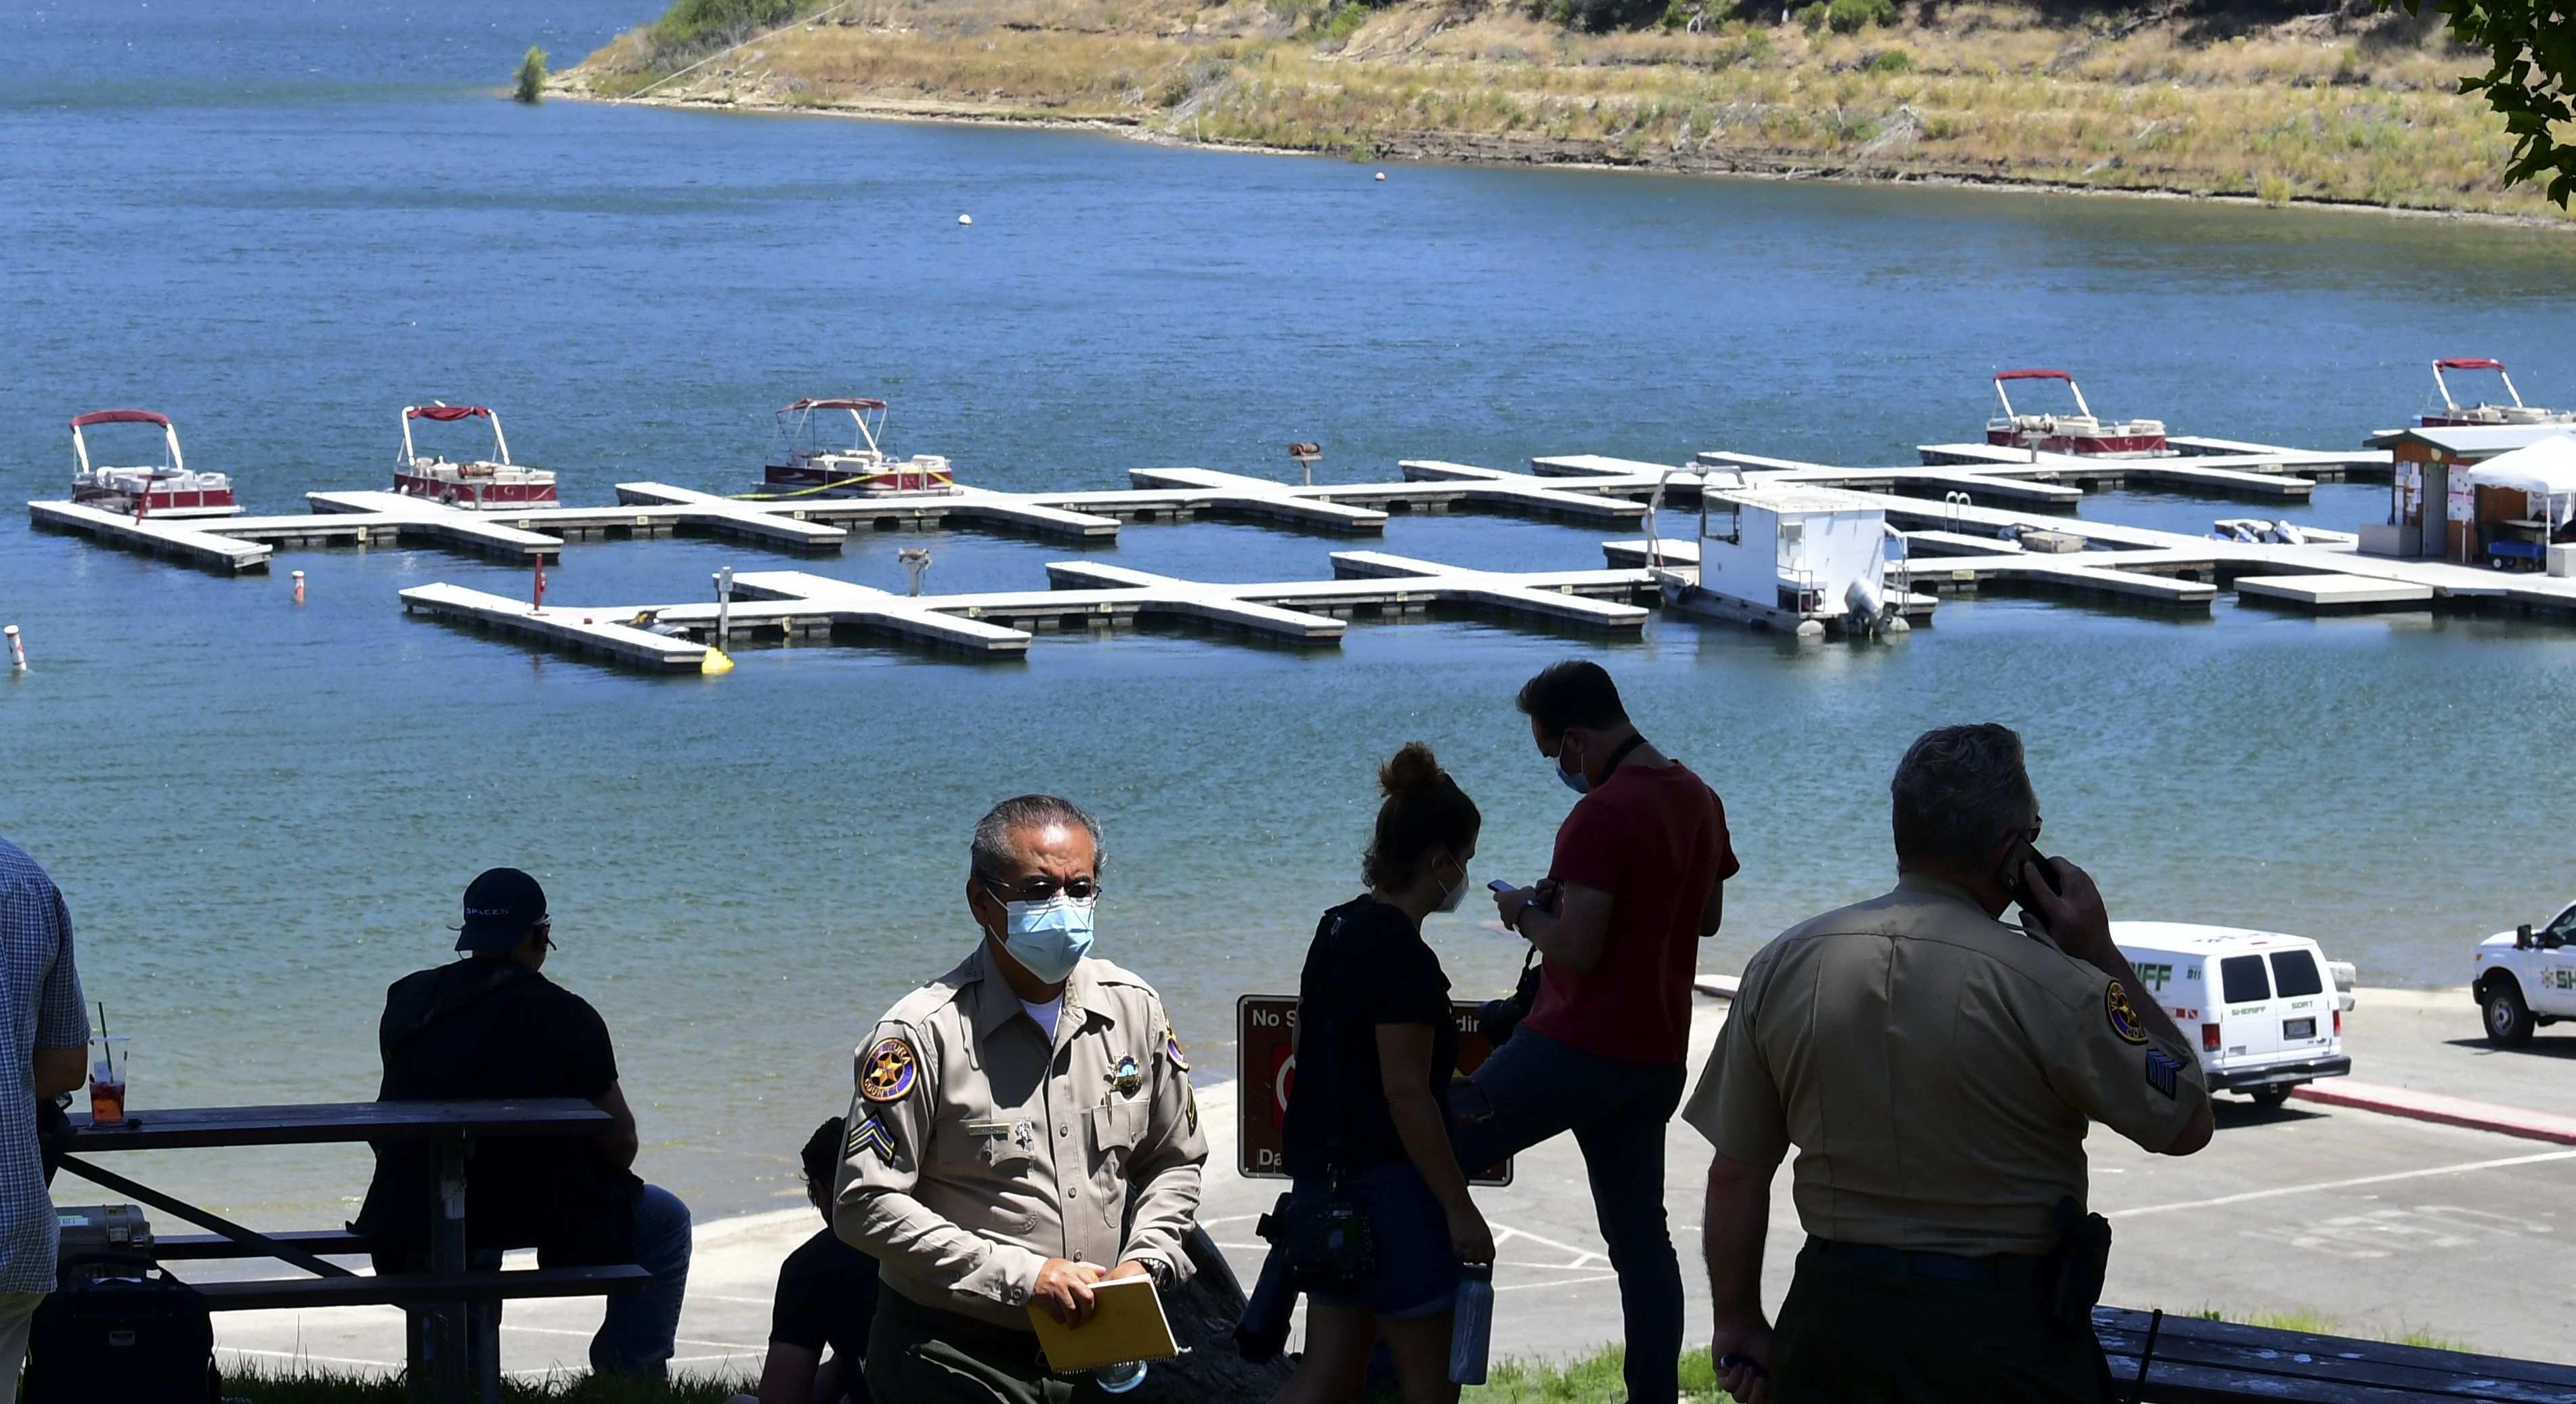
(1573, 778)
(1048, 938)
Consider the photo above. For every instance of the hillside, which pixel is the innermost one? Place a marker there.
(2343, 106)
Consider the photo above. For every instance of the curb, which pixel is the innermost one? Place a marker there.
(2447, 1111)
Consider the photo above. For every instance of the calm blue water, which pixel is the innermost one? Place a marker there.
(281, 221)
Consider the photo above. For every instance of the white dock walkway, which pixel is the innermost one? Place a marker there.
(2258, 478)
(1993, 487)
(788, 606)
(178, 538)
(605, 632)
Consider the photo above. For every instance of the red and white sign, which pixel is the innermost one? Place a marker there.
(1265, 1032)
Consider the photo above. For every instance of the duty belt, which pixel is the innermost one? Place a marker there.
(1999, 1270)
(957, 1329)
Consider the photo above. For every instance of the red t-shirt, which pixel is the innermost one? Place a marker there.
(1654, 840)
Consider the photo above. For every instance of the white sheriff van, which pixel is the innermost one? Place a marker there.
(2525, 978)
(2267, 1008)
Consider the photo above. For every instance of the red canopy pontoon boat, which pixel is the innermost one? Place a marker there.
(2512, 411)
(476, 483)
(2077, 433)
(861, 467)
(165, 490)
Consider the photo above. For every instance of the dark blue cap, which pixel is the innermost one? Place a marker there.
(500, 906)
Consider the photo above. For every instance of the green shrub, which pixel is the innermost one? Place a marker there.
(1846, 16)
(532, 77)
(695, 23)
(1892, 61)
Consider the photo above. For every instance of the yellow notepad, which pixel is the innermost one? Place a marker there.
(1127, 1323)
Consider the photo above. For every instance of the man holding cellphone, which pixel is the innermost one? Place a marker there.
(1638, 879)
(1937, 1071)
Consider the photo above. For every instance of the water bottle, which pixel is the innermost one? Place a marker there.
(1471, 1329)
(1120, 1378)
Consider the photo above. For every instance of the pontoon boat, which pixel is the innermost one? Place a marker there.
(2077, 433)
(167, 490)
(477, 483)
(861, 467)
(2511, 411)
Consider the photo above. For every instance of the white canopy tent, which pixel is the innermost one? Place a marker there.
(2545, 472)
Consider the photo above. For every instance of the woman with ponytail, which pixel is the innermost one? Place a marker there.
(1367, 1122)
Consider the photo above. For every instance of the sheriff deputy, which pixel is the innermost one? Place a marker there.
(1937, 1070)
(1023, 1127)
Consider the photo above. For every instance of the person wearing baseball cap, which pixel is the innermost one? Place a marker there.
(491, 1026)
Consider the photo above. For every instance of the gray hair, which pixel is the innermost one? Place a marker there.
(1958, 790)
(994, 850)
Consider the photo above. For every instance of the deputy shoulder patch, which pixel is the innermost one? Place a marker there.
(2161, 1070)
(2124, 1015)
(1172, 1048)
(869, 1133)
(891, 1071)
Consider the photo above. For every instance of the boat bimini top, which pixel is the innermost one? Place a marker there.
(171, 464)
(440, 413)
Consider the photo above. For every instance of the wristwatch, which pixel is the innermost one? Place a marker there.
(1159, 1269)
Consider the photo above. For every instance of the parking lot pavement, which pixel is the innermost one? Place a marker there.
(2376, 1224)
(2430, 1041)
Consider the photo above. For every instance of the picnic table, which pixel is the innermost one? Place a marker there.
(447, 1363)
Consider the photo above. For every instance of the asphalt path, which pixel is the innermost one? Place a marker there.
(2373, 1224)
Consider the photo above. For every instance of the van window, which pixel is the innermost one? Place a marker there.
(2242, 979)
(2294, 973)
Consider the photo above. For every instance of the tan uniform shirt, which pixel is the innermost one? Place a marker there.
(1936, 1070)
(977, 1151)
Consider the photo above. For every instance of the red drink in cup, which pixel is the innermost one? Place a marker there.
(107, 1080)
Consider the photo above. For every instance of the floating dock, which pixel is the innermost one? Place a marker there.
(791, 606)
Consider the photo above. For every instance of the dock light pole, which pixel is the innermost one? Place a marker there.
(1307, 455)
(724, 607)
(915, 559)
(17, 650)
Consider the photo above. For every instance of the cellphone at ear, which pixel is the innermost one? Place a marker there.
(2011, 877)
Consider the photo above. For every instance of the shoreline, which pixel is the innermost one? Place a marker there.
(1444, 150)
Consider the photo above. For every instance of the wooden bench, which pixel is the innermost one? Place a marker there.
(2210, 1362)
(417, 1289)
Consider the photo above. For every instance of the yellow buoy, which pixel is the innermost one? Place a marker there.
(715, 662)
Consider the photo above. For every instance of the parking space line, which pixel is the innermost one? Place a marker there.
(2353, 1183)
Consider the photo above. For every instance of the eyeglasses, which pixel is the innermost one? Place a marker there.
(1081, 889)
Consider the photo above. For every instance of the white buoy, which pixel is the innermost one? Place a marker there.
(1381, 175)
(17, 650)
(965, 219)
(299, 587)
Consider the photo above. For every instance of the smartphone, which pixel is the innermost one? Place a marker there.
(1499, 885)
(2018, 890)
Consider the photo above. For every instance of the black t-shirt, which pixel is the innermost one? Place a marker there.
(827, 1295)
(490, 1028)
(1368, 967)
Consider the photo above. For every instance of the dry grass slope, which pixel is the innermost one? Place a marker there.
(2350, 105)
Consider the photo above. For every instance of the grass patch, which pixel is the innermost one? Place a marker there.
(263, 1386)
(2313, 1324)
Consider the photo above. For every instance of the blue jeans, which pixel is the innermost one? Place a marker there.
(1617, 1111)
(641, 1330)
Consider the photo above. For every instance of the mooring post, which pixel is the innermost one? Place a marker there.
(17, 650)
(538, 604)
(915, 559)
(299, 587)
(724, 608)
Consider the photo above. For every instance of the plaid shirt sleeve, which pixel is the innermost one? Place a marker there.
(62, 1017)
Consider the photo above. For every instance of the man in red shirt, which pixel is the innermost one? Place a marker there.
(1637, 881)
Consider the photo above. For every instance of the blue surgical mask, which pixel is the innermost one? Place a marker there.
(1573, 778)
(1048, 938)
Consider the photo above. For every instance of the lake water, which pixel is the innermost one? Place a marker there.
(281, 221)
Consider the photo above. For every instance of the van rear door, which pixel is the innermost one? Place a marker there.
(2248, 1026)
(2305, 1001)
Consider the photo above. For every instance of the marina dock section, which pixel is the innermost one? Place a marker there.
(790, 607)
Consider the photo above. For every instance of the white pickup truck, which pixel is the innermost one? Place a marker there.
(2526, 977)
